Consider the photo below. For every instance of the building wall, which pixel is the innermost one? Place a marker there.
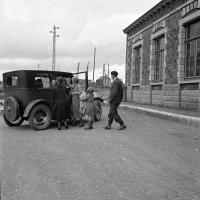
(146, 57)
(174, 90)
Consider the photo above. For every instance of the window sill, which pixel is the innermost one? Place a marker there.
(157, 83)
(136, 84)
(190, 80)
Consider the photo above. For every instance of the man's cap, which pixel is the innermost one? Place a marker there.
(115, 73)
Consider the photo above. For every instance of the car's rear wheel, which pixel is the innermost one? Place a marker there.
(18, 122)
(40, 117)
(98, 108)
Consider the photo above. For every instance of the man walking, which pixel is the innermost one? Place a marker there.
(115, 98)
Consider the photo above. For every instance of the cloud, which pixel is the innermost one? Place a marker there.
(26, 42)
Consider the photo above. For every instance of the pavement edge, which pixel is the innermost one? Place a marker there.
(188, 120)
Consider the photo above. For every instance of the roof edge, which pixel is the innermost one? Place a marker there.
(158, 6)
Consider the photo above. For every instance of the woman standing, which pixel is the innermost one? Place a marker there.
(61, 103)
(76, 91)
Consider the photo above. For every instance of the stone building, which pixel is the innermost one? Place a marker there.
(163, 55)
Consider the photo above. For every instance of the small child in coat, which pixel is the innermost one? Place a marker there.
(82, 108)
(90, 107)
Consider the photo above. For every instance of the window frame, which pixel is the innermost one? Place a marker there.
(12, 85)
(189, 41)
(159, 57)
(137, 60)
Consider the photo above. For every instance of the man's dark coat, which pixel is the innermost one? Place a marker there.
(116, 92)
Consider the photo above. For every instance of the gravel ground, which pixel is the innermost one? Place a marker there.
(153, 159)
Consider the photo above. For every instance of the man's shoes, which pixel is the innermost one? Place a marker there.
(108, 127)
(81, 125)
(66, 127)
(122, 127)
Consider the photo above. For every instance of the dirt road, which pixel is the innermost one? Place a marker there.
(153, 159)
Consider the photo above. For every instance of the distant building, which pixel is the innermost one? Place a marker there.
(103, 81)
(163, 55)
(82, 82)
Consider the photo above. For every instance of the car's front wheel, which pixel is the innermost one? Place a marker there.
(40, 117)
(98, 108)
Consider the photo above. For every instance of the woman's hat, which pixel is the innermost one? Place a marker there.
(75, 79)
(90, 89)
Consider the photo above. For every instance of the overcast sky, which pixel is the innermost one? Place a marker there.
(25, 40)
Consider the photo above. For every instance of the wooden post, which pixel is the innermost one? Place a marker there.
(86, 79)
(78, 69)
(108, 74)
(94, 63)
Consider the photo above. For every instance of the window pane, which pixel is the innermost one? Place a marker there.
(162, 43)
(159, 59)
(187, 32)
(198, 29)
(157, 45)
(198, 67)
(190, 59)
(12, 81)
(198, 58)
(137, 63)
(198, 48)
(42, 82)
(192, 49)
(192, 30)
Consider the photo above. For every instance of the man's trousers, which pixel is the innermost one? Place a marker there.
(113, 114)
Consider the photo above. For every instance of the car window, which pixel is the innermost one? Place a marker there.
(42, 82)
(11, 81)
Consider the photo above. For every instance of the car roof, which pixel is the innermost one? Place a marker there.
(59, 73)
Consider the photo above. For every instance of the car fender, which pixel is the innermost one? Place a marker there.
(32, 104)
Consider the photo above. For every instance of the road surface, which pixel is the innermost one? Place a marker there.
(153, 159)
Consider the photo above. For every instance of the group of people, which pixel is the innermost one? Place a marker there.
(70, 100)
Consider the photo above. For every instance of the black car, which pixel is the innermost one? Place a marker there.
(29, 95)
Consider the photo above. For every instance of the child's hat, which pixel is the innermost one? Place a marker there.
(90, 89)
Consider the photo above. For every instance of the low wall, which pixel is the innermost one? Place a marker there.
(174, 96)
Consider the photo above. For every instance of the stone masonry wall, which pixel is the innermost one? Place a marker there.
(128, 62)
(172, 24)
(172, 92)
(146, 57)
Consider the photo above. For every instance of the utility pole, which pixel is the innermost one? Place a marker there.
(78, 69)
(94, 63)
(108, 74)
(38, 66)
(104, 74)
(54, 47)
(87, 66)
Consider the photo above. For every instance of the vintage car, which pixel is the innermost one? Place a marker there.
(29, 95)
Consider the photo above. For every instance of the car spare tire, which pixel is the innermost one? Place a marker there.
(11, 109)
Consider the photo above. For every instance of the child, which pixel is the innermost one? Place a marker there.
(90, 108)
(82, 108)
